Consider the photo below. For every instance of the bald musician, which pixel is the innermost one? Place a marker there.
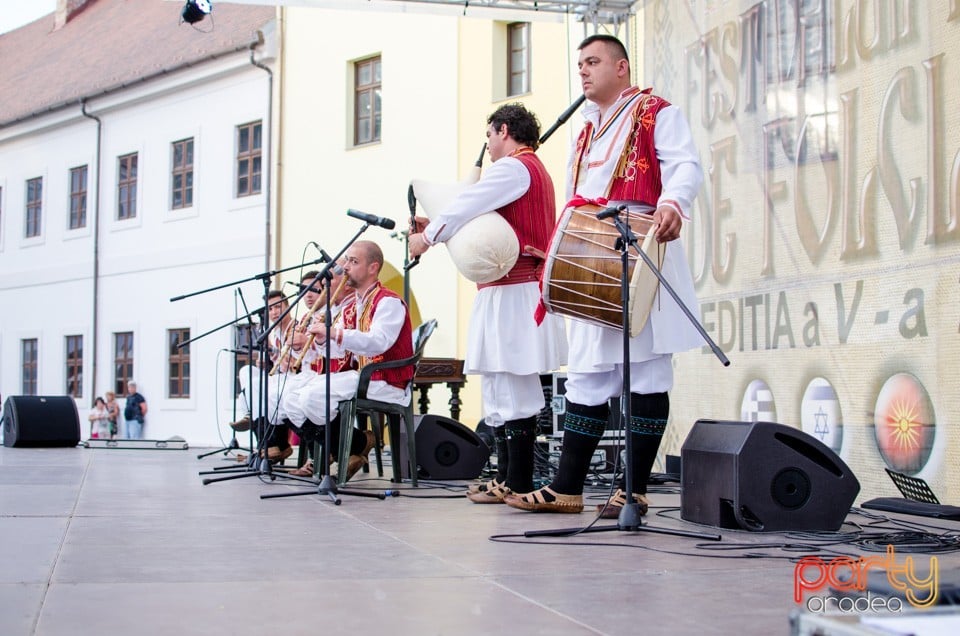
(375, 327)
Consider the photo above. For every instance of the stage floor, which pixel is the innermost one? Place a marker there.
(108, 541)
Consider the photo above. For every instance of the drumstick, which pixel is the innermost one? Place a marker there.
(532, 251)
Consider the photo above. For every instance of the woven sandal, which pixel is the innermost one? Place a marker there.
(485, 486)
(493, 495)
(546, 500)
(611, 509)
(304, 471)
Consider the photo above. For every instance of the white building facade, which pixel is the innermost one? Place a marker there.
(128, 197)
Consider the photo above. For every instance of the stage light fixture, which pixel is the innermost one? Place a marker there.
(195, 10)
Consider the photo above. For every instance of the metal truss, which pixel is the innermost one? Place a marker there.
(614, 12)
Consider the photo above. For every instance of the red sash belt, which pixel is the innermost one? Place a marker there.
(527, 270)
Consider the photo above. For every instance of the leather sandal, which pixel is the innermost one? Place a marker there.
(493, 495)
(304, 471)
(611, 509)
(354, 464)
(275, 455)
(546, 500)
(484, 487)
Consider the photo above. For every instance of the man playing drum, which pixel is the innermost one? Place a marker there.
(634, 149)
(505, 345)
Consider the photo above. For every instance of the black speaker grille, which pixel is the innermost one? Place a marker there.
(447, 454)
(790, 488)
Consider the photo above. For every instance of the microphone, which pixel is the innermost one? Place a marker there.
(387, 224)
(612, 211)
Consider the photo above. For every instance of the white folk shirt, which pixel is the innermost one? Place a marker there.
(594, 348)
(505, 181)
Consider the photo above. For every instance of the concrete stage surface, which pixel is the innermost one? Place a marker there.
(112, 541)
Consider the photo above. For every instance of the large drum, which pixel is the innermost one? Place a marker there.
(581, 277)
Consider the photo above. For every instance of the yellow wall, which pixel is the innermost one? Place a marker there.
(321, 175)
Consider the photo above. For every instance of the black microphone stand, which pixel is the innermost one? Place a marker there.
(247, 348)
(252, 458)
(630, 517)
(327, 485)
(258, 463)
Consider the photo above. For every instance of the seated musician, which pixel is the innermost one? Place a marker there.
(309, 353)
(374, 327)
(276, 432)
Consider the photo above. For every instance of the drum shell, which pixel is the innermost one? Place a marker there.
(581, 277)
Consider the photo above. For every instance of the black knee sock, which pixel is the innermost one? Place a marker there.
(358, 441)
(648, 420)
(583, 427)
(280, 436)
(521, 438)
(321, 433)
(503, 454)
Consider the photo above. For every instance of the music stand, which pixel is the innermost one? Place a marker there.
(913, 488)
(327, 485)
(630, 517)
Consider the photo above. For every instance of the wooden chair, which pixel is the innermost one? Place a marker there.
(395, 413)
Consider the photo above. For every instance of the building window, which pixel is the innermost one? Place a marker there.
(518, 58)
(182, 177)
(249, 141)
(122, 361)
(366, 123)
(179, 363)
(78, 198)
(34, 205)
(75, 366)
(28, 366)
(127, 187)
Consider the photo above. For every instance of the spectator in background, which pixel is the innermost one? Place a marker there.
(134, 412)
(99, 428)
(113, 413)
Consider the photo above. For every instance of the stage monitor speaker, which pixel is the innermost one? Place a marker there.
(446, 449)
(36, 420)
(763, 477)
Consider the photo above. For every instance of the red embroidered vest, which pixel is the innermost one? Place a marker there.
(532, 217)
(348, 362)
(637, 175)
(401, 348)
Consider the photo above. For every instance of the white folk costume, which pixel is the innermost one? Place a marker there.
(250, 394)
(375, 327)
(313, 360)
(641, 155)
(504, 344)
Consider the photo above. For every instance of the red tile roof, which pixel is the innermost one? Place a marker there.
(110, 44)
